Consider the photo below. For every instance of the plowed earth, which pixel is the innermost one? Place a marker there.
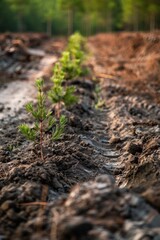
(101, 180)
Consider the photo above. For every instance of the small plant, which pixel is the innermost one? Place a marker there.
(44, 120)
(70, 66)
(11, 147)
(60, 94)
(59, 128)
(73, 58)
(77, 46)
(100, 103)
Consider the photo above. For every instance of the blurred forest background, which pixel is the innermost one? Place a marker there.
(62, 17)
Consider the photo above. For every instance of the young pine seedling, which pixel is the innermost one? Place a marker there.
(60, 94)
(100, 103)
(73, 59)
(77, 46)
(44, 121)
(71, 66)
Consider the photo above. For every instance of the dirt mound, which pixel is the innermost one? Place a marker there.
(18, 53)
(130, 65)
(133, 58)
(100, 210)
(21, 53)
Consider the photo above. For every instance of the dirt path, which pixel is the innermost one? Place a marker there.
(14, 95)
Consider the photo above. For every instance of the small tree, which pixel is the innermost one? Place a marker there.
(44, 120)
(20, 7)
(73, 58)
(60, 94)
(71, 6)
(47, 9)
(70, 66)
(77, 47)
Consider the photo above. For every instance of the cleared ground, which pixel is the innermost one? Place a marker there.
(113, 153)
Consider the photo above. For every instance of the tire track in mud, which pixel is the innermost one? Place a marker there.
(132, 98)
(101, 145)
(103, 153)
(137, 126)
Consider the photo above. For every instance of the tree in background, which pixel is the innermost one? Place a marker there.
(7, 19)
(20, 7)
(140, 11)
(106, 9)
(153, 8)
(107, 14)
(131, 10)
(71, 6)
(88, 17)
(47, 10)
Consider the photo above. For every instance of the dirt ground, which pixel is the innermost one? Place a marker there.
(101, 180)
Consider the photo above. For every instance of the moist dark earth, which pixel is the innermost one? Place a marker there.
(101, 180)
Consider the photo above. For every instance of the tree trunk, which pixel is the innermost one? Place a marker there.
(109, 21)
(20, 23)
(136, 21)
(152, 21)
(41, 141)
(88, 25)
(70, 22)
(49, 28)
(82, 27)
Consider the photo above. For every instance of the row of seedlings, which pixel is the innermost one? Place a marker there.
(45, 122)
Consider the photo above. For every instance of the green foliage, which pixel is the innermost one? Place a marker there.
(11, 147)
(89, 16)
(43, 120)
(73, 58)
(39, 113)
(47, 8)
(28, 132)
(58, 75)
(60, 93)
(20, 8)
(8, 18)
(77, 48)
(70, 66)
(59, 128)
(99, 103)
(48, 11)
(77, 43)
(69, 97)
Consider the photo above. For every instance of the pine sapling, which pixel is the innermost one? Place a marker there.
(73, 58)
(99, 100)
(59, 129)
(44, 121)
(77, 47)
(71, 66)
(60, 94)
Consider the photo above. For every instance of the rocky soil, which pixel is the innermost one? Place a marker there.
(101, 180)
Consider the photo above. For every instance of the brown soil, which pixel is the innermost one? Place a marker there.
(112, 153)
(132, 97)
